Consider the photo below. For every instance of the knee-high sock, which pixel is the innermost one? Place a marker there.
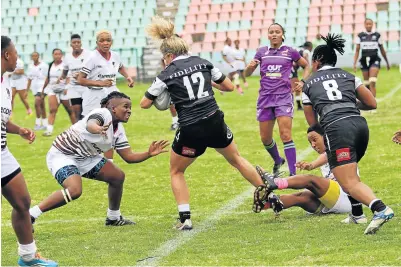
(273, 151)
(291, 155)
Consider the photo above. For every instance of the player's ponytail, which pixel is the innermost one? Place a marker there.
(162, 29)
(326, 54)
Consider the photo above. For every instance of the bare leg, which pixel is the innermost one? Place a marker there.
(68, 109)
(373, 73)
(53, 107)
(23, 94)
(305, 200)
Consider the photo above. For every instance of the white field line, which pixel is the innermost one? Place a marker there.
(389, 94)
(183, 237)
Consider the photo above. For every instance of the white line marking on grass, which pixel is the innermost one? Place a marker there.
(389, 94)
(183, 237)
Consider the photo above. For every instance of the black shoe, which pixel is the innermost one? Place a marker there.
(118, 222)
(276, 168)
(300, 108)
(267, 178)
(33, 222)
(275, 203)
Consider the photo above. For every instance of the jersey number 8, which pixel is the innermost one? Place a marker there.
(196, 77)
(332, 91)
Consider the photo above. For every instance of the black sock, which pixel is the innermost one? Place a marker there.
(184, 216)
(299, 103)
(378, 206)
(356, 207)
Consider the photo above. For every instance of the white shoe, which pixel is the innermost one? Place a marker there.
(187, 225)
(356, 220)
(47, 133)
(379, 218)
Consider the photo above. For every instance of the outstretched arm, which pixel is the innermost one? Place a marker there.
(155, 148)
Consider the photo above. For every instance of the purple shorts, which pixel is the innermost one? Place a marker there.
(272, 106)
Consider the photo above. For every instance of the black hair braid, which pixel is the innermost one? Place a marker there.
(112, 95)
(326, 54)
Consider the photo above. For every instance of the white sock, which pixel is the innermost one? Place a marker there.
(27, 252)
(373, 201)
(183, 207)
(298, 98)
(175, 119)
(111, 160)
(35, 211)
(44, 122)
(38, 121)
(113, 214)
(50, 128)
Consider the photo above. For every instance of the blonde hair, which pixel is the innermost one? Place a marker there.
(101, 32)
(162, 29)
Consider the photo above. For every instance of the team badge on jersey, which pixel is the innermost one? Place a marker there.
(343, 154)
(284, 53)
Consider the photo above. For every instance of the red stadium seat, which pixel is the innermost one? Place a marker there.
(348, 19)
(394, 36)
(215, 8)
(218, 46)
(193, 10)
(196, 48)
(243, 35)
(221, 36)
(255, 33)
(188, 38)
(214, 17)
(360, 9)
(257, 14)
(260, 5)
(254, 43)
(384, 36)
(209, 37)
(326, 20)
(348, 28)
(189, 28)
(313, 21)
(257, 24)
(267, 23)
(338, 2)
(348, 9)
(207, 47)
(235, 15)
(238, 6)
(359, 28)
(325, 11)
(191, 19)
(316, 3)
(269, 14)
(227, 7)
(224, 16)
(249, 6)
(246, 15)
(233, 35)
(360, 18)
(314, 12)
(337, 10)
(327, 3)
(202, 18)
(338, 19)
(243, 43)
(200, 28)
(370, 7)
(271, 4)
(324, 30)
(204, 9)
(312, 31)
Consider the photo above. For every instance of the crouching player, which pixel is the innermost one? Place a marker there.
(76, 153)
(323, 195)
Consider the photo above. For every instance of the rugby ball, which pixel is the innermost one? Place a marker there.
(163, 101)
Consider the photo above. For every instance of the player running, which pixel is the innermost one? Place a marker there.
(72, 65)
(18, 84)
(239, 64)
(55, 89)
(333, 93)
(37, 73)
(275, 97)
(99, 72)
(76, 153)
(370, 43)
(305, 52)
(325, 195)
(188, 79)
(13, 185)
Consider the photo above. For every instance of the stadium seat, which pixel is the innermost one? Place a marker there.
(243, 35)
(196, 48)
(394, 16)
(220, 36)
(393, 46)
(200, 27)
(382, 26)
(224, 16)
(394, 25)
(280, 13)
(382, 16)
(207, 47)
(211, 27)
(233, 25)
(222, 26)
(325, 11)
(394, 5)
(249, 6)
(325, 21)
(217, 57)
(245, 24)
(348, 28)
(213, 17)
(209, 37)
(257, 24)
(292, 13)
(291, 22)
(233, 35)
(254, 44)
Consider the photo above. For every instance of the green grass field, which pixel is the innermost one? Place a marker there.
(226, 231)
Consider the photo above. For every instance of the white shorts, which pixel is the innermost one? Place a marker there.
(57, 160)
(36, 88)
(19, 84)
(9, 166)
(75, 91)
(343, 205)
(229, 68)
(91, 98)
(60, 96)
(239, 65)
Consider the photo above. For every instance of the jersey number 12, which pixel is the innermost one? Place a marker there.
(196, 77)
(332, 91)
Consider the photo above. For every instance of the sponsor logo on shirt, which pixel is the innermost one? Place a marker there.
(374, 37)
(98, 66)
(284, 53)
(343, 154)
(188, 151)
(109, 76)
(273, 71)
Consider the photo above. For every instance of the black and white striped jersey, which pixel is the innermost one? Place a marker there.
(77, 142)
(370, 43)
(5, 109)
(188, 79)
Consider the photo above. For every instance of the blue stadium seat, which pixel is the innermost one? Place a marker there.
(47, 28)
(394, 5)
(210, 27)
(15, 4)
(98, 7)
(19, 21)
(282, 4)
(394, 16)
(25, 29)
(303, 12)
(140, 42)
(222, 26)
(40, 48)
(5, 4)
(54, 9)
(37, 3)
(28, 48)
(217, 57)
(90, 25)
(11, 12)
(393, 46)
(335, 28)
(59, 27)
(75, 8)
(124, 22)
(22, 39)
(280, 13)
(394, 25)
(94, 16)
(245, 24)
(72, 17)
(382, 16)
(120, 33)
(292, 13)
(291, 22)
(372, 16)
(108, 6)
(382, 26)
(69, 26)
(233, 26)
(86, 7)
(206, 55)
(129, 41)
(293, 3)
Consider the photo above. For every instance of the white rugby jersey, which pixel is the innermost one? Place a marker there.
(326, 172)
(74, 64)
(38, 73)
(229, 53)
(20, 66)
(97, 68)
(5, 109)
(81, 144)
(238, 54)
(55, 73)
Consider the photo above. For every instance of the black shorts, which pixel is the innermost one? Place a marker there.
(191, 141)
(369, 62)
(5, 180)
(76, 101)
(346, 141)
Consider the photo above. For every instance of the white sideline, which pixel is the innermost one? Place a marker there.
(389, 94)
(173, 244)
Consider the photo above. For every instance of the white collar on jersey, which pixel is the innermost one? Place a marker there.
(327, 67)
(180, 57)
(269, 47)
